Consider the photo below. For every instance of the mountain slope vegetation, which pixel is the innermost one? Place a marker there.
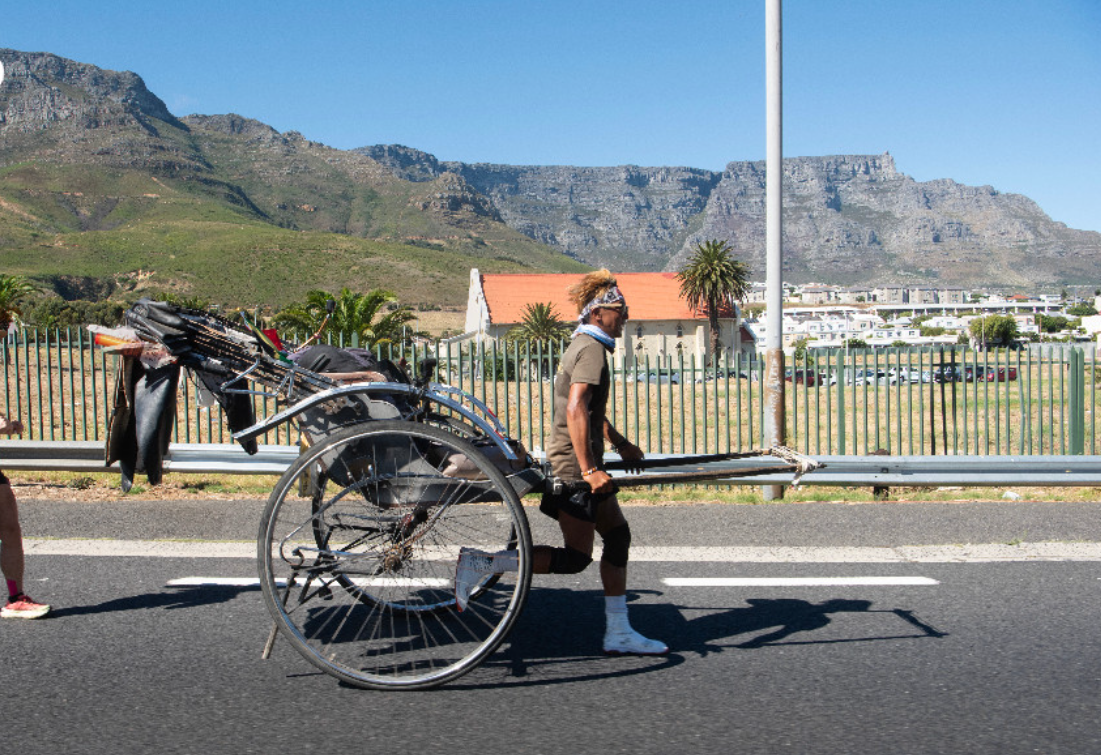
(99, 183)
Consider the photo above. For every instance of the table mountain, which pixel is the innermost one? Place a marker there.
(101, 187)
(847, 219)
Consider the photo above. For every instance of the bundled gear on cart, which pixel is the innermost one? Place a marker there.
(230, 364)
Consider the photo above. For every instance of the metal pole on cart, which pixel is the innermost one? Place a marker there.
(774, 420)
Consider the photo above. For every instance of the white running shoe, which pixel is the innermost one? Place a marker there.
(629, 642)
(474, 566)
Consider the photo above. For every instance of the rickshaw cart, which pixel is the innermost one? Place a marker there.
(358, 544)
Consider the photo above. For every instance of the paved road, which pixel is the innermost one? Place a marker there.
(960, 653)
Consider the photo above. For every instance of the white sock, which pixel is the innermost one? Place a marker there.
(615, 613)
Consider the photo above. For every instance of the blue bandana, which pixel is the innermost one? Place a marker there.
(597, 333)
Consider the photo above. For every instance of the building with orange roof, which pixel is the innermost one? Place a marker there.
(661, 325)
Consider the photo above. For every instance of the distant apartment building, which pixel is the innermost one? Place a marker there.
(922, 296)
(952, 296)
(756, 294)
(822, 330)
(918, 295)
(818, 294)
(888, 335)
(891, 294)
(855, 295)
(948, 322)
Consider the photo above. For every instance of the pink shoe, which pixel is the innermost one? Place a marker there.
(22, 607)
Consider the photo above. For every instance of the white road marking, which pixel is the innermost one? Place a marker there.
(214, 582)
(359, 581)
(937, 554)
(140, 548)
(959, 553)
(794, 581)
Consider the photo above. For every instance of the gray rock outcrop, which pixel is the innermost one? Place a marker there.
(41, 89)
(847, 219)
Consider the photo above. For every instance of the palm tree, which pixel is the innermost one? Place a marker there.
(353, 316)
(541, 326)
(12, 289)
(711, 281)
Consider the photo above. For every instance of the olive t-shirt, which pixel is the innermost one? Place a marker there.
(583, 362)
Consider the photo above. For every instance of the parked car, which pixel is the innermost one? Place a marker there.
(905, 375)
(724, 374)
(947, 374)
(864, 376)
(806, 377)
(989, 374)
(658, 377)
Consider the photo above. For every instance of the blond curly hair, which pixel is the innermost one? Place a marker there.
(590, 287)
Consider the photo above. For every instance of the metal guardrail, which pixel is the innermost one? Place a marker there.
(841, 471)
(88, 456)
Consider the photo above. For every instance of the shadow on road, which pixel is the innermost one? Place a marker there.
(558, 637)
(178, 597)
(772, 621)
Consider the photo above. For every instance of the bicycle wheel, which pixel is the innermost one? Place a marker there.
(358, 566)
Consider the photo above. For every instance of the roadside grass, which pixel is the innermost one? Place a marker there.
(749, 494)
(104, 486)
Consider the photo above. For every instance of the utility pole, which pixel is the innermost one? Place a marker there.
(774, 420)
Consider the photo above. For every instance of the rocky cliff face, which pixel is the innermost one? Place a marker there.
(856, 219)
(848, 219)
(625, 217)
(41, 89)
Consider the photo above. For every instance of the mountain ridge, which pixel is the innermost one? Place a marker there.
(848, 219)
(100, 182)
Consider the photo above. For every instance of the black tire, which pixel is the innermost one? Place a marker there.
(358, 573)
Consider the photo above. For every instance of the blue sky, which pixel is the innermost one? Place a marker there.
(1003, 93)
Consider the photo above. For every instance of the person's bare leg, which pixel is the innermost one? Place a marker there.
(576, 533)
(614, 578)
(619, 637)
(11, 538)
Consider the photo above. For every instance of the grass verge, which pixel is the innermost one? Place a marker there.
(104, 486)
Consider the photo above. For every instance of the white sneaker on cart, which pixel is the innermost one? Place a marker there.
(474, 566)
(630, 642)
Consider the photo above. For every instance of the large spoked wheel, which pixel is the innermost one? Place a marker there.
(358, 549)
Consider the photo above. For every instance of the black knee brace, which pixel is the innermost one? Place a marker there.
(617, 545)
(569, 561)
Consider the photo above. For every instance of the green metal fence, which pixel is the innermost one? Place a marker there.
(903, 401)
